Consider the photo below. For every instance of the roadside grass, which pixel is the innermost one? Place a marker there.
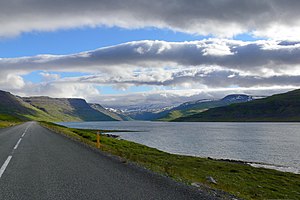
(8, 120)
(4, 124)
(238, 179)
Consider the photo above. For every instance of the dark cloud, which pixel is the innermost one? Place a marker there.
(223, 18)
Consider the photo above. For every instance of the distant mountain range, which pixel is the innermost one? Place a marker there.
(187, 108)
(115, 114)
(279, 107)
(190, 108)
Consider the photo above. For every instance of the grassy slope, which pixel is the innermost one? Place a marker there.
(241, 180)
(174, 114)
(280, 107)
(8, 120)
(183, 111)
(67, 109)
(16, 109)
(7, 123)
(13, 109)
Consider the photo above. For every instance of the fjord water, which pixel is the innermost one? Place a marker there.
(274, 144)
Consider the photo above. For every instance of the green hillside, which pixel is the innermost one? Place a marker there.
(14, 109)
(183, 111)
(281, 107)
(67, 109)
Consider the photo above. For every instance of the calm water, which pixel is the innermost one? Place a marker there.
(275, 144)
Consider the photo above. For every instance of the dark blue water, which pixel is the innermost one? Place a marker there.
(275, 144)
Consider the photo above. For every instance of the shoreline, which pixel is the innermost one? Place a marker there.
(278, 167)
(236, 178)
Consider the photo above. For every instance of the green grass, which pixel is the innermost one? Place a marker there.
(5, 117)
(8, 120)
(241, 180)
(4, 124)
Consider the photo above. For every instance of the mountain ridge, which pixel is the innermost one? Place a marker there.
(186, 108)
(283, 107)
(67, 109)
(193, 107)
(15, 109)
(43, 108)
(113, 114)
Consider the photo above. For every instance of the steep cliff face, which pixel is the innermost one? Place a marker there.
(67, 109)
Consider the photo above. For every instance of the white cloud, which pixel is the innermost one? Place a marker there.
(55, 90)
(11, 82)
(49, 76)
(253, 57)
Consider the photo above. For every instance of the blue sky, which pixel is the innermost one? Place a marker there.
(83, 39)
(141, 52)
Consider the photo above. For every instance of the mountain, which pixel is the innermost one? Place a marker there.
(67, 109)
(194, 107)
(145, 112)
(13, 108)
(185, 109)
(280, 107)
(145, 115)
(117, 115)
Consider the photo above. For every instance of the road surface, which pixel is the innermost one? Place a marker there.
(39, 164)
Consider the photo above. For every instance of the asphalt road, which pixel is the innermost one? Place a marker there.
(39, 164)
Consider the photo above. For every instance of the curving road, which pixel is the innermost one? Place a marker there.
(39, 164)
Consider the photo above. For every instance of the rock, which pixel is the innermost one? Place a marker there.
(111, 135)
(196, 184)
(211, 180)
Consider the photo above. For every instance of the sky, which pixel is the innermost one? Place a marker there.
(140, 53)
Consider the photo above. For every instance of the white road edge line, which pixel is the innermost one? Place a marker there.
(17, 144)
(5, 165)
